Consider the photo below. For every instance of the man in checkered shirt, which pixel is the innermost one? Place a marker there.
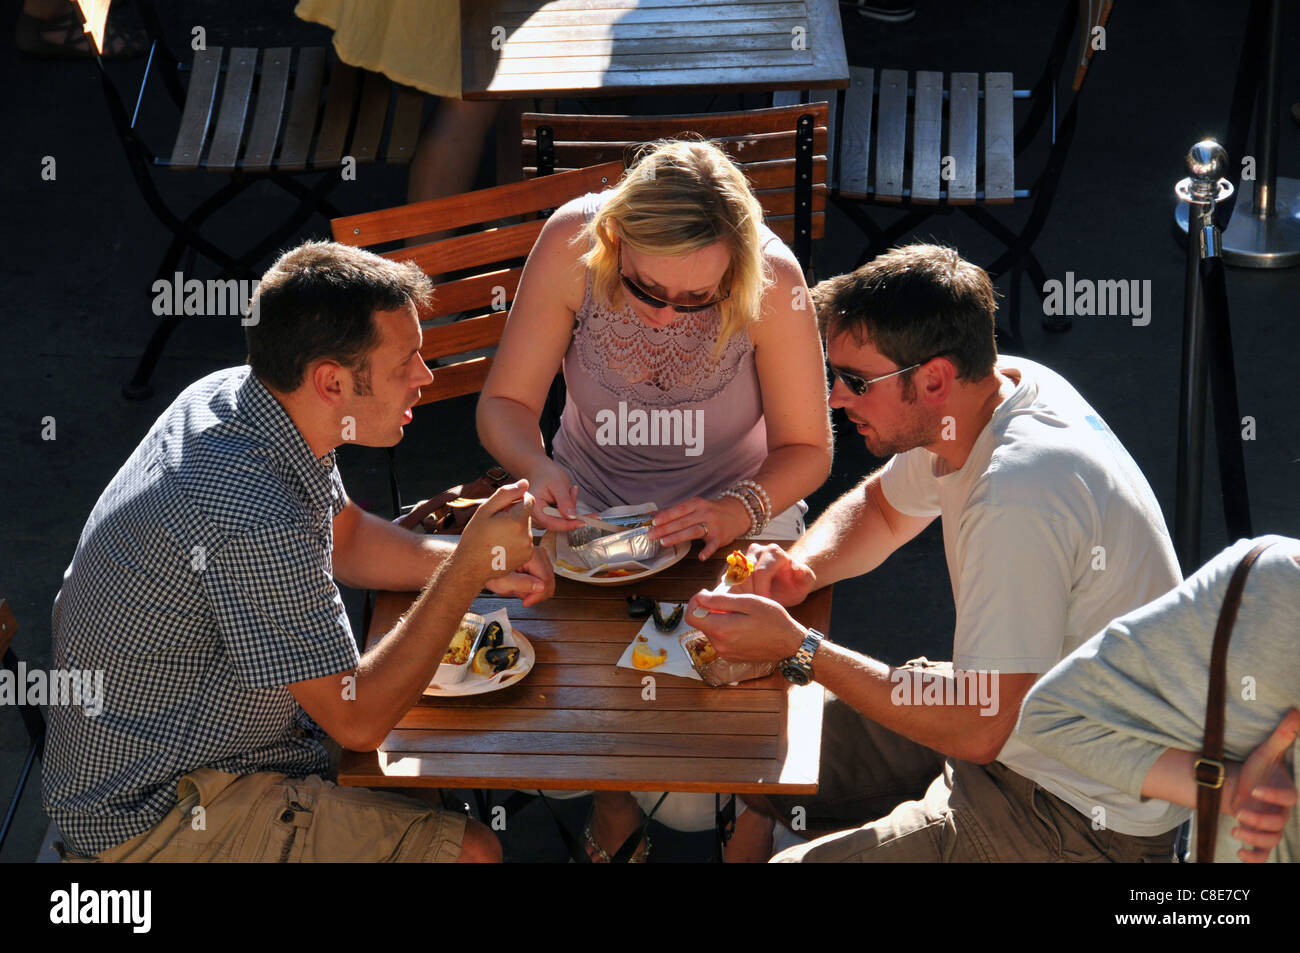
(203, 587)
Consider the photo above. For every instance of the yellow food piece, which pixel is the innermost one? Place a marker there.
(645, 657)
(702, 651)
(739, 566)
(481, 665)
(458, 649)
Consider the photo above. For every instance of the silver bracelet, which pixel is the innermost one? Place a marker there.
(762, 500)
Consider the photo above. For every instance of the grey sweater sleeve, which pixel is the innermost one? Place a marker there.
(1113, 706)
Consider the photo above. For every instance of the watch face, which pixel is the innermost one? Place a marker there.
(795, 674)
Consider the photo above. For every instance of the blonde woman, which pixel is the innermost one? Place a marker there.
(666, 293)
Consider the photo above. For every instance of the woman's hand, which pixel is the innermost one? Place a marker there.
(551, 487)
(715, 522)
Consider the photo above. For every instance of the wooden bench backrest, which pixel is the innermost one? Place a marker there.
(760, 141)
(482, 268)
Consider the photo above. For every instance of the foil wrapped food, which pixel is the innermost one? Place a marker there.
(633, 545)
(713, 668)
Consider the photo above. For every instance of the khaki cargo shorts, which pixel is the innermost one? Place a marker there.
(270, 818)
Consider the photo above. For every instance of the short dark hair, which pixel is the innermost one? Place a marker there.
(318, 302)
(913, 303)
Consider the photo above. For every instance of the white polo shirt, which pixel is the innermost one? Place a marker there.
(1050, 532)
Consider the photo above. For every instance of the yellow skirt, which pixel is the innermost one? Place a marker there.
(413, 42)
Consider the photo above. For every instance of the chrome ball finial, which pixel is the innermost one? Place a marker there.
(1207, 160)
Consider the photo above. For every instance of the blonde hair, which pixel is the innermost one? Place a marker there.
(679, 197)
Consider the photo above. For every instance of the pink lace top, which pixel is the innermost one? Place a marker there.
(650, 414)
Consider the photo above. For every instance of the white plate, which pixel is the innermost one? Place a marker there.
(548, 543)
(475, 684)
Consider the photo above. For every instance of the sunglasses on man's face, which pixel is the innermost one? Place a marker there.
(860, 385)
(647, 298)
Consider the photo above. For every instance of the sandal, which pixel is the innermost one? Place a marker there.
(30, 38)
(598, 854)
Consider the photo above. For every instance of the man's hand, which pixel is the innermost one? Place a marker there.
(778, 576)
(533, 581)
(498, 539)
(747, 628)
(1264, 794)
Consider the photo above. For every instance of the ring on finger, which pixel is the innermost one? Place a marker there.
(705, 527)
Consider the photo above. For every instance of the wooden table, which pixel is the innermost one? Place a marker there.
(516, 49)
(578, 722)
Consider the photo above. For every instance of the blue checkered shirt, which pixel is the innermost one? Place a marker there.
(202, 586)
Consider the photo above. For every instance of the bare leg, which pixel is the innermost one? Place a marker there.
(751, 843)
(448, 153)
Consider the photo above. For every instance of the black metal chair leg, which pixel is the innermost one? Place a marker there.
(138, 387)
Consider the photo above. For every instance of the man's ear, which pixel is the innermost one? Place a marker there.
(939, 378)
(329, 381)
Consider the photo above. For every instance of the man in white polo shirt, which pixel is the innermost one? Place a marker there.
(1050, 531)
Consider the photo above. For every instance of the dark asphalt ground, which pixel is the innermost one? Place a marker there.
(83, 247)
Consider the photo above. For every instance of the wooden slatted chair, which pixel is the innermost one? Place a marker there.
(781, 150)
(33, 720)
(480, 271)
(932, 143)
(253, 115)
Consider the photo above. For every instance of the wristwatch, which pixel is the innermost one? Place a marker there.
(798, 667)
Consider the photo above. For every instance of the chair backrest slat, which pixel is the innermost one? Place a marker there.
(1092, 14)
(517, 198)
(303, 107)
(407, 116)
(462, 336)
(999, 140)
(8, 626)
(241, 67)
(272, 87)
(927, 136)
(578, 155)
(456, 380)
(340, 99)
(192, 133)
(375, 93)
(891, 134)
(855, 137)
(473, 250)
(575, 128)
(477, 291)
(963, 136)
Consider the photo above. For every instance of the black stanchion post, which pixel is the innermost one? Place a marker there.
(1206, 161)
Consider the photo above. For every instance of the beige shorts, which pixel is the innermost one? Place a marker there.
(270, 818)
(901, 801)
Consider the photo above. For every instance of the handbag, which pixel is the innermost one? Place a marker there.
(450, 510)
(1208, 771)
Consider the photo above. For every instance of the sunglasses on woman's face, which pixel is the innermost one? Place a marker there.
(647, 298)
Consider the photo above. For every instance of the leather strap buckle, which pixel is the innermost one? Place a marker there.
(1208, 773)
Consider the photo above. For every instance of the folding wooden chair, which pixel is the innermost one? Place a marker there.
(932, 143)
(252, 115)
(480, 270)
(782, 152)
(33, 720)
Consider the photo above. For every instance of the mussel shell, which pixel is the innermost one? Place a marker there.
(502, 657)
(493, 636)
(638, 607)
(670, 623)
